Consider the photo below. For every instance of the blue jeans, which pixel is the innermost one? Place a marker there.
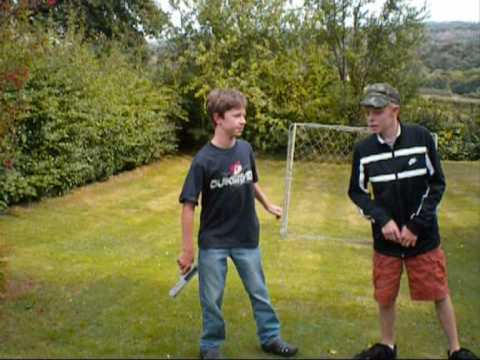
(212, 270)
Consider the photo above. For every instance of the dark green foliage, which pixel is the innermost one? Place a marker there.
(294, 64)
(79, 101)
(74, 117)
(456, 124)
(247, 45)
(128, 20)
(367, 47)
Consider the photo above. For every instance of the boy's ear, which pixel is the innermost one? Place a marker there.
(216, 118)
(396, 110)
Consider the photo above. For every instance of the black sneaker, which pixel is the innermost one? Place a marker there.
(279, 347)
(210, 354)
(461, 354)
(378, 352)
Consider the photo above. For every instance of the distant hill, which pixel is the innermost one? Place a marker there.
(451, 56)
(452, 45)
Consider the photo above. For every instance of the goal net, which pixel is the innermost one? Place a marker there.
(316, 204)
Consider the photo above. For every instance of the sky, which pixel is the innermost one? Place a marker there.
(451, 10)
(439, 10)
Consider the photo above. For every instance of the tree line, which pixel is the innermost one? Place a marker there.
(84, 95)
(451, 58)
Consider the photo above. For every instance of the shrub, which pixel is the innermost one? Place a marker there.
(74, 116)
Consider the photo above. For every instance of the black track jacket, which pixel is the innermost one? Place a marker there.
(408, 184)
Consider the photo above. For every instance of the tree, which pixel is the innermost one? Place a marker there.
(366, 47)
(308, 63)
(129, 20)
(252, 45)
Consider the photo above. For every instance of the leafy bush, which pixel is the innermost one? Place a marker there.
(456, 124)
(74, 117)
(295, 64)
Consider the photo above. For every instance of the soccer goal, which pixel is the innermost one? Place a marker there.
(316, 205)
(318, 168)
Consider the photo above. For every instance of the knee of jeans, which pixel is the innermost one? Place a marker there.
(211, 293)
(259, 294)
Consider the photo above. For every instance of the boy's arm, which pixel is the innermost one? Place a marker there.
(427, 209)
(271, 208)
(187, 256)
(360, 195)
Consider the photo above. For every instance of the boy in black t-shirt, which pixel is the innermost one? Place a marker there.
(224, 172)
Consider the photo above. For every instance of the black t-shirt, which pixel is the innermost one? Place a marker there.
(225, 178)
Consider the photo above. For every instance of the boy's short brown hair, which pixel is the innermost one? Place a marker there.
(221, 100)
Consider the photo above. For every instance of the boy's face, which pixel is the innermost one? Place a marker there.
(380, 121)
(232, 122)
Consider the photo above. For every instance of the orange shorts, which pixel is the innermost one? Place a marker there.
(427, 276)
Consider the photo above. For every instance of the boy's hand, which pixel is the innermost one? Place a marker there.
(275, 210)
(185, 262)
(391, 232)
(407, 238)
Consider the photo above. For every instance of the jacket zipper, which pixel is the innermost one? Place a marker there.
(396, 184)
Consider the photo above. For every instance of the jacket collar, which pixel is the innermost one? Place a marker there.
(399, 132)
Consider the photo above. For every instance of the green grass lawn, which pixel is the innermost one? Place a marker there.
(88, 274)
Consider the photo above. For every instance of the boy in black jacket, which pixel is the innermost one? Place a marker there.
(401, 164)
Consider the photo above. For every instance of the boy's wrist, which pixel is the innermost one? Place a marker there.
(188, 250)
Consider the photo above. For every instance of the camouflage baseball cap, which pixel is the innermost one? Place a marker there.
(380, 95)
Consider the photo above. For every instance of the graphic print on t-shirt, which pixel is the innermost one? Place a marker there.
(235, 168)
(235, 176)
